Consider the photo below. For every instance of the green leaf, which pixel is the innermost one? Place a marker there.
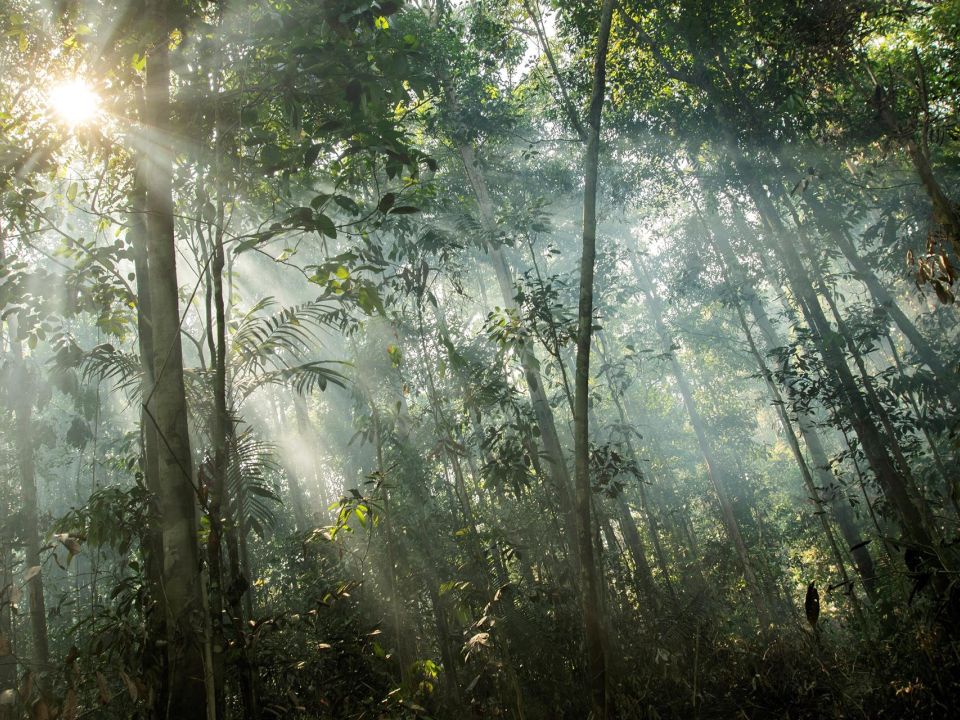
(325, 226)
(310, 155)
(347, 204)
(386, 202)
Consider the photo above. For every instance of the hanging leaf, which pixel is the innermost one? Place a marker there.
(811, 605)
(131, 686)
(310, 155)
(69, 711)
(325, 226)
(103, 689)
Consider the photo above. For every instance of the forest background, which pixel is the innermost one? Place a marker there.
(505, 358)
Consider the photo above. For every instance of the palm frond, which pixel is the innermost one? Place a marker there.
(253, 493)
(105, 362)
(305, 378)
(271, 340)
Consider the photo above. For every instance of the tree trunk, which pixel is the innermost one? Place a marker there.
(298, 498)
(805, 424)
(809, 484)
(22, 386)
(166, 405)
(830, 345)
(714, 473)
(945, 213)
(883, 298)
(589, 575)
(154, 661)
(559, 472)
(8, 661)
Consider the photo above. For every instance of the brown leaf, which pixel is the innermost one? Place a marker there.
(26, 687)
(4, 645)
(40, 710)
(72, 545)
(69, 711)
(31, 573)
(131, 686)
(104, 690)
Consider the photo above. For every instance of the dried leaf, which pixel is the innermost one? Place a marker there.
(131, 686)
(72, 545)
(40, 710)
(26, 687)
(69, 711)
(104, 690)
(31, 573)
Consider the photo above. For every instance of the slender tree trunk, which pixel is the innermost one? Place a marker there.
(396, 605)
(589, 575)
(805, 423)
(730, 523)
(298, 498)
(645, 505)
(854, 405)
(22, 386)
(553, 449)
(166, 405)
(8, 661)
(884, 299)
(448, 654)
(869, 387)
(809, 484)
(945, 213)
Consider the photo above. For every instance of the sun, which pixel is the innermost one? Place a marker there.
(73, 102)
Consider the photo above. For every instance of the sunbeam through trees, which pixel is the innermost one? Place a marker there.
(515, 359)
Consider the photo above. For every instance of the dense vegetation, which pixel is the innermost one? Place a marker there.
(503, 358)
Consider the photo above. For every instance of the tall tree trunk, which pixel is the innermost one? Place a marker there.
(870, 392)
(559, 472)
(396, 604)
(8, 660)
(645, 505)
(298, 497)
(154, 661)
(23, 387)
(589, 575)
(853, 404)
(714, 473)
(809, 484)
(884, 299)
(945, 213)
(806, 424)
(166, 405)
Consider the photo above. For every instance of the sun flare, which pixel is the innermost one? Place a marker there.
(74, 102)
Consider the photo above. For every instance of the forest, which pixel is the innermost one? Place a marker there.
(450, 359)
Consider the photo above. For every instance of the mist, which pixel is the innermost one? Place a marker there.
(482, 359)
